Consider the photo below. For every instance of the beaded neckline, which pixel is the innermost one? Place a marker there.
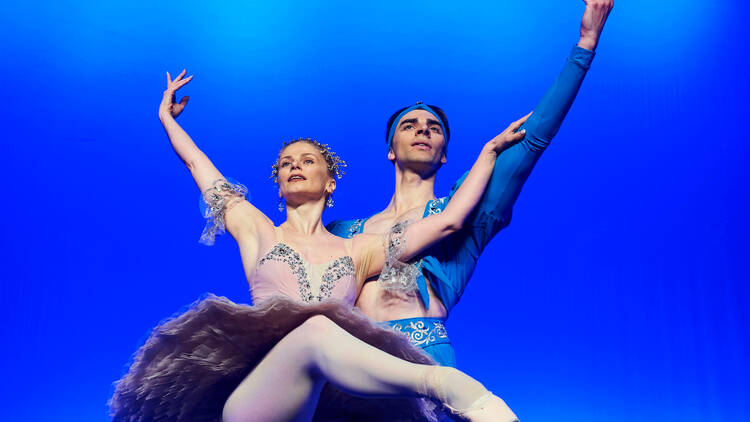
(335, 270)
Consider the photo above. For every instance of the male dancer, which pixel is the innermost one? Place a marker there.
(417, 139)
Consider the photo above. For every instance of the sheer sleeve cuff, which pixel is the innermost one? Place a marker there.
(215, 202)
(397, 275)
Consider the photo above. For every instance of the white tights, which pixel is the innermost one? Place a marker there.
(286, 384)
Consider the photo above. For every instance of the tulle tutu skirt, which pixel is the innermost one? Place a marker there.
(191, 363)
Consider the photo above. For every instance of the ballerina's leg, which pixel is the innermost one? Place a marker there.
(284, 386)
(287, 382)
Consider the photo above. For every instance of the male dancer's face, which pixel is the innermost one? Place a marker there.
(418, 142)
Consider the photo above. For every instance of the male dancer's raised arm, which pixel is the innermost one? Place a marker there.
(513, 167)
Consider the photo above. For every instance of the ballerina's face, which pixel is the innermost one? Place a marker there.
(303, 174)
(418, 141)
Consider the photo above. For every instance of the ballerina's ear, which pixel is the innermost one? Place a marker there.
(331, 186)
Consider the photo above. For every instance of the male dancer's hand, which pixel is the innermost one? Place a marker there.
(169, 104)
(509, 137)
(593, 21)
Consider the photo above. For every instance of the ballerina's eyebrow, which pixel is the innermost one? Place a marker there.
(290, 157)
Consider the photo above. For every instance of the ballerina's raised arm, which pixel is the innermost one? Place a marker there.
(242, 220)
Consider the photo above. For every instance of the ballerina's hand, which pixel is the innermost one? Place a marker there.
(169, 104)
(509, 137)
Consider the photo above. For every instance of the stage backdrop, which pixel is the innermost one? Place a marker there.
(617, 293)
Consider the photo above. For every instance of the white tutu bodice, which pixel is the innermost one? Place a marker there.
(283, 271)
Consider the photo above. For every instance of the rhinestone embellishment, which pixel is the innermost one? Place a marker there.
(355, 227)
(341, 267)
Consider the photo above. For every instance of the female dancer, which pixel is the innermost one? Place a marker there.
(269, 362)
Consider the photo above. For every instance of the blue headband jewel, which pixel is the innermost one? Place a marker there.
(417, 106)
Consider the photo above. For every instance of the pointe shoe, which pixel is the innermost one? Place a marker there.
(488, 408)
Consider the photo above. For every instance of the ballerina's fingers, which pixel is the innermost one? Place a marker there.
(170, 96)
(517, 124)
(184, 71)
(516, 136)
(178, 82)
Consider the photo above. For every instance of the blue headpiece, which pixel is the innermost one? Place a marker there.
(417, 106)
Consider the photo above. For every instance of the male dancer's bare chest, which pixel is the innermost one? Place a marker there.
(382, 223)
(383, 305)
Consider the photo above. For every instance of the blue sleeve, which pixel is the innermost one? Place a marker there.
(512, 168)
(514, 165)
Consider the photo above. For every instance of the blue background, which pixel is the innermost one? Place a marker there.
(618, 293)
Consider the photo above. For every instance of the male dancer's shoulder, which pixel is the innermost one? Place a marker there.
(353, 227)
(346, 228)
(436, 206)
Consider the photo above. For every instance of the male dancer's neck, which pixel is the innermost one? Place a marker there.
(412, 190)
